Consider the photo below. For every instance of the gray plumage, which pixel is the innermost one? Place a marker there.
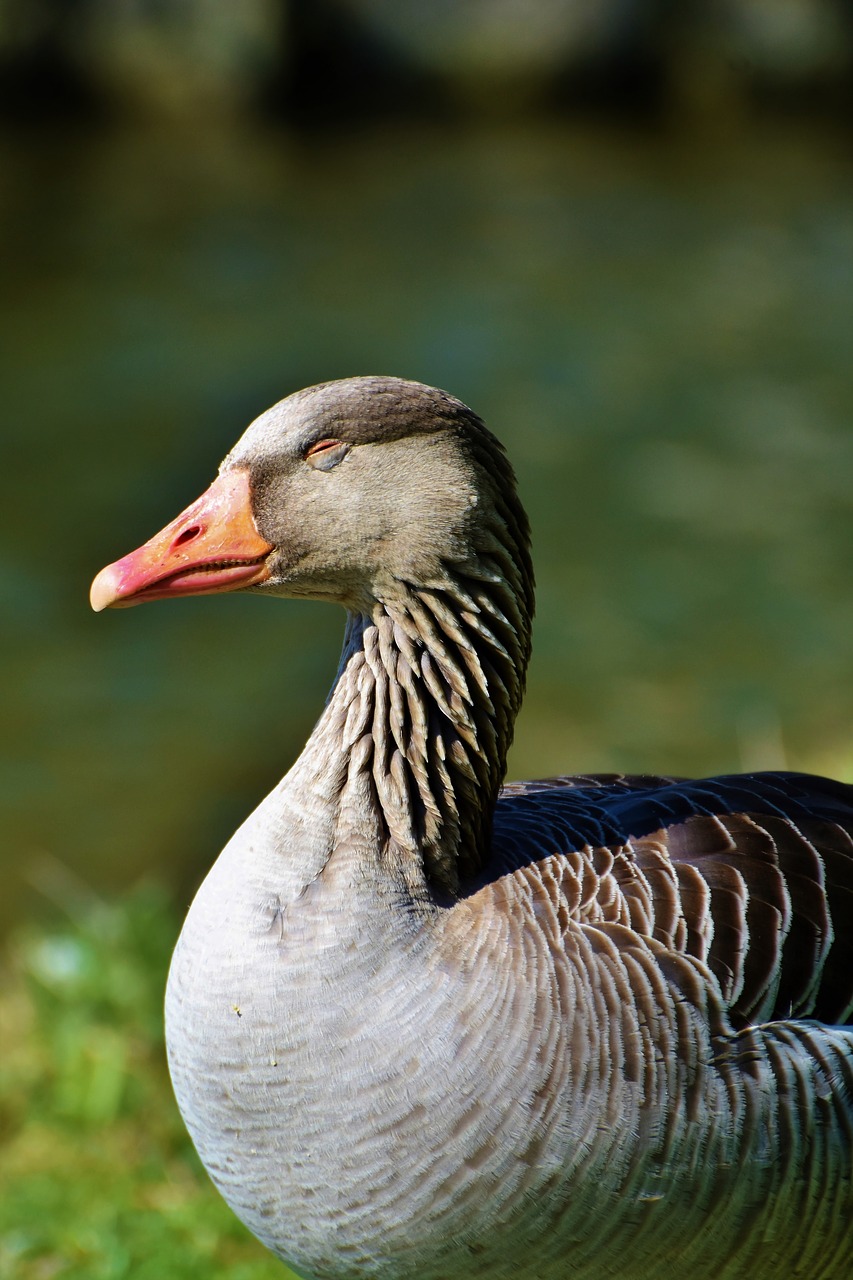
(420, 1028)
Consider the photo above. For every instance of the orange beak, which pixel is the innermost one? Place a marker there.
(212, 546)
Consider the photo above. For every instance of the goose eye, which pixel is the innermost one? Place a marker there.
(325, 454)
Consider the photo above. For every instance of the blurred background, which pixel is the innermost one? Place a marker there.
(622, 232)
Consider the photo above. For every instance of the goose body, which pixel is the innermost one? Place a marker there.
(420, 1025)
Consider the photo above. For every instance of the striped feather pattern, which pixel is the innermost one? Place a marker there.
(763, 897)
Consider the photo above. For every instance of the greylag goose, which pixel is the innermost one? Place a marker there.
(420, 1025)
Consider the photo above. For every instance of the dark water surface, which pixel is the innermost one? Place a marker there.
(660, 329)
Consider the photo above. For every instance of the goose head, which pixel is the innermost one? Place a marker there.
(350, 491)
(392, 499)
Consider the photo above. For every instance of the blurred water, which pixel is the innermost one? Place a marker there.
(658, 327)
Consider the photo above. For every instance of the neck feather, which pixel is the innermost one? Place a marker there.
(427, 694)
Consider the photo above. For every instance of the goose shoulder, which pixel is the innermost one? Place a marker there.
(750, 874)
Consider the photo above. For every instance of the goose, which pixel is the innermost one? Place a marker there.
(420, 1024)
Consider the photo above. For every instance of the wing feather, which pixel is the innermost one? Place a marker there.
(752, 876)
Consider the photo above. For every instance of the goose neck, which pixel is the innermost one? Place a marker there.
(417, 729)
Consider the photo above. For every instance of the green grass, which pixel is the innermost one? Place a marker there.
(98, 1179)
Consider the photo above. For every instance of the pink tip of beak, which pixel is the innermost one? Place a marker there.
(106, 588)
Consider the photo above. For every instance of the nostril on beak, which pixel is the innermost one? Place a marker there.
(187, 535)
